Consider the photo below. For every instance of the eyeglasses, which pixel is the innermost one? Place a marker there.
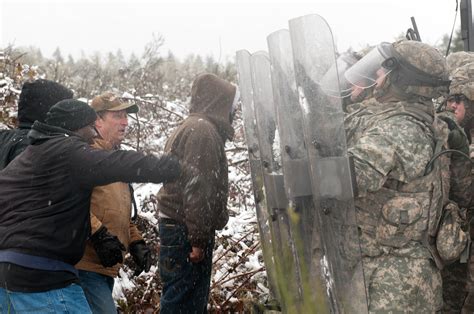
(457, 98)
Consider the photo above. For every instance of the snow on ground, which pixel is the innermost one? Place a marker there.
(237, 256)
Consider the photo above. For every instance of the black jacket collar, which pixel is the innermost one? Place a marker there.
(41, 132)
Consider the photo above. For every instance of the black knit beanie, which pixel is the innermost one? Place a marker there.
(38, 97)
(71, 114)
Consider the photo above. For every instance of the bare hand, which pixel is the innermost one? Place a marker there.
(196, 255)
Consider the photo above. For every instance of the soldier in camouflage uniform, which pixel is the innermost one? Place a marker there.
(458, 278)
(455, 275)
(400, 199)
(463, 86)
(454, 61)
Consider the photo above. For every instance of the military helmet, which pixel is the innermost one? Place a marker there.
(458, 59)
(413, 69)
(462, 81)
(418, 69)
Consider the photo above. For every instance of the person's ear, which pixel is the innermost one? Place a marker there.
(99, 122)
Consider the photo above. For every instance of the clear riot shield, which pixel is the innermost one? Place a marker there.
(285, 257)
(332, 185)
(256, 171)
(296, 171)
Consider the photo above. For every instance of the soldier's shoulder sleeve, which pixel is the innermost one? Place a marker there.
(397, 147)
(415, 145)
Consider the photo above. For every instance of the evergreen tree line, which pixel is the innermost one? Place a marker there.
(151, 78)
(149, 74)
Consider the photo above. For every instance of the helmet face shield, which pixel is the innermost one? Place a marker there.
(369, 71)
(333, 83)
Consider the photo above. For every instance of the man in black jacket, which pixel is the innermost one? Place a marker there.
(35, 100)
(44, 207)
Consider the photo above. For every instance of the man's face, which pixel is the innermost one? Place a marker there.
(458, 107)
(112, 125)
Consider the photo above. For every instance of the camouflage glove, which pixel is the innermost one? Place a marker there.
(108, 247)
(450, 119)
(458, 140)
(141, 256)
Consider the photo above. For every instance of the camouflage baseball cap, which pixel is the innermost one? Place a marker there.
(111, 102)
(462, 81)
(458, 59)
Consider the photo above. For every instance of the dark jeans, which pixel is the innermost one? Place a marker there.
(98, 290)
(185, 284)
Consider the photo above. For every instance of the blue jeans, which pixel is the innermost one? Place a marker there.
(70, 299)
(185, 284)
(98, 290)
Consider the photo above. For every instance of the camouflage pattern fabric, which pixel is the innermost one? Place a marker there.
(452, 238)
(402, 285)
(422, 56)
(468, 306)
(458, 278)
(426, 59)
(400, 145)
(455, 61)
(460, 167)
(391, 150)
(462, 81)
(458, 59)
(357, 114)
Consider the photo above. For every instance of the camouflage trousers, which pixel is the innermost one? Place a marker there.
(402, 285)
(468, 305)
(454, 286)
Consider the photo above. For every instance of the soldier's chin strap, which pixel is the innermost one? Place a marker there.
(429, 166)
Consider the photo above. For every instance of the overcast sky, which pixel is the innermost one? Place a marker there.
(209, 27)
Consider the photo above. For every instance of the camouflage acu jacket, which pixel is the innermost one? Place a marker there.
(399, 202)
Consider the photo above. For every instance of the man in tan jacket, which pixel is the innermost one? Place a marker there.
(112, 231)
